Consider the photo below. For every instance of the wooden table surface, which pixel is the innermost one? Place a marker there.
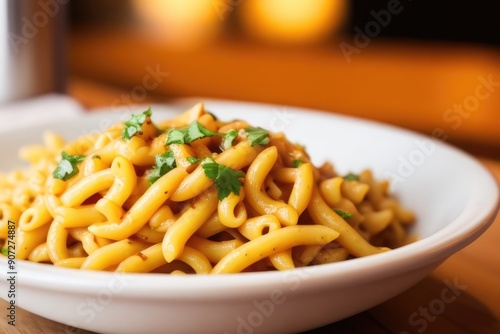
(476, 309)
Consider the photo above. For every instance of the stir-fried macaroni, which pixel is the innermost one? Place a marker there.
(192, 194)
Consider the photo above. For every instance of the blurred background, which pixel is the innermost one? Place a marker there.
(430, 66)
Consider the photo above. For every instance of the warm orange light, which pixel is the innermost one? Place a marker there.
(180, 22)
(292, 21)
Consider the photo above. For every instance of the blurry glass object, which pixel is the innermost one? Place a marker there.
(179, 22)
(292, 21)
(31, 48)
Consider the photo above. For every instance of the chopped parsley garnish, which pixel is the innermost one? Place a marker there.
(5, 251)
(257, 136)
(343, 214)
(226, 179)
(189, 134)
(164, 163)
(175, 136)
(134, 124)
(297, 163)
(193, 160)
(351, 177)
(227, 140)
(67, 167)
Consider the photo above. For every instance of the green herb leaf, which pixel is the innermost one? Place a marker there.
(198, 131)
(227, 140)
(164, 163)
(67, 167)
(226, 179)
(175, 136)
(343, 214)
(193, 160)
(351, 177)
(189, 134)
(257, 136)
(5, 251)
(297, 163)
(134, 124)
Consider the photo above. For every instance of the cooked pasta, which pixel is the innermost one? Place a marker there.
(192, 194)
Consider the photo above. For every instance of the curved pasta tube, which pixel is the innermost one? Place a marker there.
(71, 262)
(52, 202)
(274, 242)
(143, 209)
(346, 205)
(27, 241)
(147, 234)
(7, 212)
(234, 125)
(86, 238)
(402, 214)
(57, 237)
(257, 198)
(302, 178)
(35, 216)
(187, 224)
(211, 227)
(152, 258)
(136, 150)
(139, 190)
(196, 260)
(76, 250)
(147, 260)
(376, 222)
(161, 216)
(93, 164)
(23, 197)
(236, 157)
(308, 254)
(112, 254)
(125, 180)
(181, 153)
(354, 191)
(81, 216)
(329, 255)
(256, 227)
(185, 118)
(282, 260)
(232, 211)
(213, 250)
(39, 254)
(322, 214)
(56, 187)
(330, 190)
(87, 187)
(272, 189)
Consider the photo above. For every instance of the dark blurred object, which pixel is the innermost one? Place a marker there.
(103, 12)
(445, 20)
(32, 59)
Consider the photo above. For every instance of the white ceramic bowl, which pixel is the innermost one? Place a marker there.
(454, 197)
